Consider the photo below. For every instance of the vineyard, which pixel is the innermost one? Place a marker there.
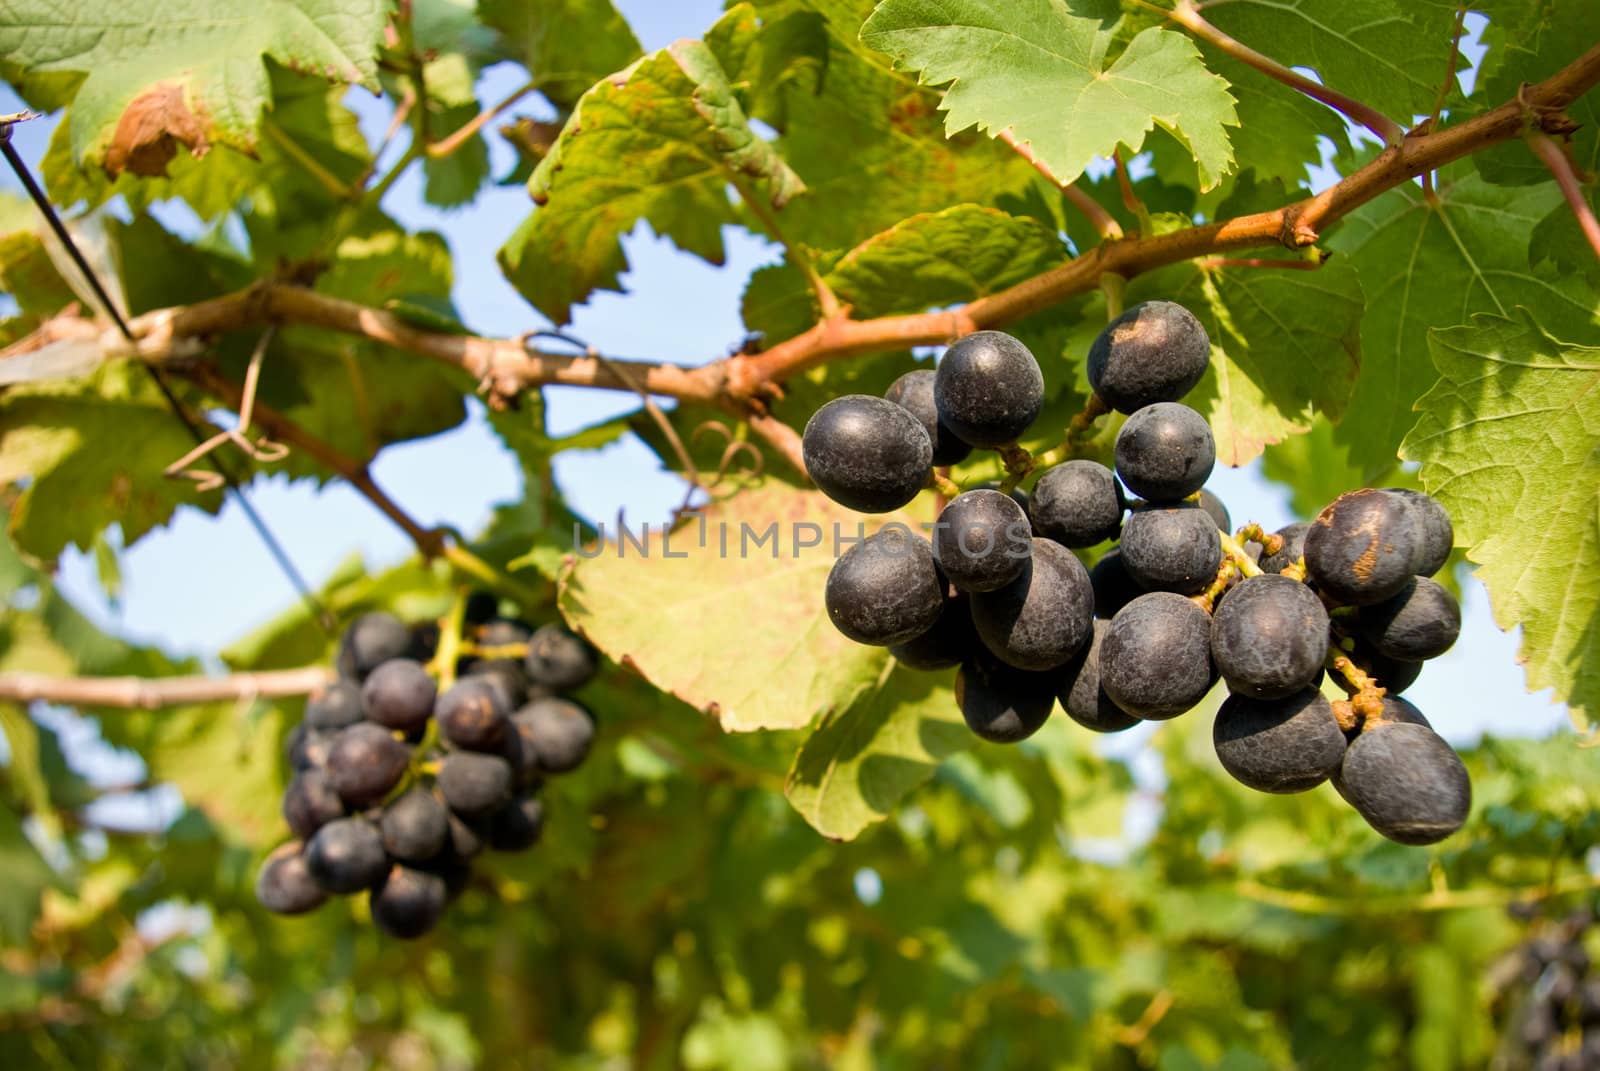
(1070, 459)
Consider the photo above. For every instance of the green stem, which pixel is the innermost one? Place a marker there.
(1113, 286)
(827, 300)
(308, 163)
(1234, 551)
(1018, 463)
(466, 562)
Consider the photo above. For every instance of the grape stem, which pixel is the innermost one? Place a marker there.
(1078, 429)
(1554, 157)
(1233, 551)
(1207, 599)
(1270, 542)
(1366, 694)
(943, 485)
(1018, 463)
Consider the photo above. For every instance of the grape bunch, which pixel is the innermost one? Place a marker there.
(397, 785)
(1547, 993)
(1172, 605)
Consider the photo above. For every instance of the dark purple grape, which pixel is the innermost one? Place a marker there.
(1284, 744)
(1422, 621)
(1000, 703)
(1165, 452)
(946, 644)
(334, 706)
(504, 632)
(1436, 535)
(472, 715)
(311, 802)
(562, 733)
(1219, 512)
(1174, 548)
(914, 392)
(284, 885)
(1154, 352)
(1078, 504)
(559, 658)
(1363, 547)
(365, 762)
(982, 540)
(1081, 695)
(1406, 782)
(1269, 637)
(516, 826)
(1155, 658)
(508, 682)
(1113, 587)
(424, 642)
(370, 641)
(988, 388)
(885, 589)
(866, 453)
(347, 856)
(306, 748)
(408, 902)
(415, 826)
(474, 784)
(1042, 618)
(399, 695)
(482, 607)
(1294, 546)
(466, 840)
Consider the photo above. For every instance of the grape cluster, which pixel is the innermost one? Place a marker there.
(1174, 604)
(397, 786)
(1548, 993)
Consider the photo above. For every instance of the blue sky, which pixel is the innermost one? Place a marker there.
(203, 581)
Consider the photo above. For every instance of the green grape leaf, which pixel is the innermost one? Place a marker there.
(27, 878)
(1423, 265)
(661, 144)
(859, 763)
(93, 451)
(1559, 240)
(568, 45)
(201, 81)
(1283, 346)
(1389, 54)
(1029, 67)
(1506, 439)
(762, 653)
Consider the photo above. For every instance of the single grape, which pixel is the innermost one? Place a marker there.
(559, 658)
(509, 670)
(370, 641)
(1406, 782)
(424, 642)
(399, 695)
(885, 589)
(1436, 535)
(1077, 503)
(562, 733)
(988, 388)
(482, 607)
(415, 826)
(472, 715)
(474, 784)
(1000, 703)
(1042, 618)
(1294, 546)
(982, 540)
(311, 802)
(1165, 452)
(1219, 512)
(1269, 637)
(1284, 744)
(346, 856)
(284, 885)
(1154, 352)
(516, 826)
(944, 645)
(334, 706)
(508, 682)
(1155, 658)
(365, 762)
(1362, 548)
(466, 840)
(307, 748)
(504, 632)
(1422, 621)
(914, 392)
(866, 453)
(1113, 587)
(1081, 695)
(1174, 548)
(408, 902)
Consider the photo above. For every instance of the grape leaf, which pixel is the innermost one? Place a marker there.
(859, 763)
(762, 653)
(1507, 442)
(201, 80)
(27, 878)
(1558, 239)
(1030, 67)
(1283, 346)
(660, 144)
(1279, 128)
(568, 45)
(1423, 265)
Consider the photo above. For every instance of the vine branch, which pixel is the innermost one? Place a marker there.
(141, 693)
(462, 134)
(1552, 155)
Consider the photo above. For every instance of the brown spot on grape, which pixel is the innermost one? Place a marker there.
(151, 127)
